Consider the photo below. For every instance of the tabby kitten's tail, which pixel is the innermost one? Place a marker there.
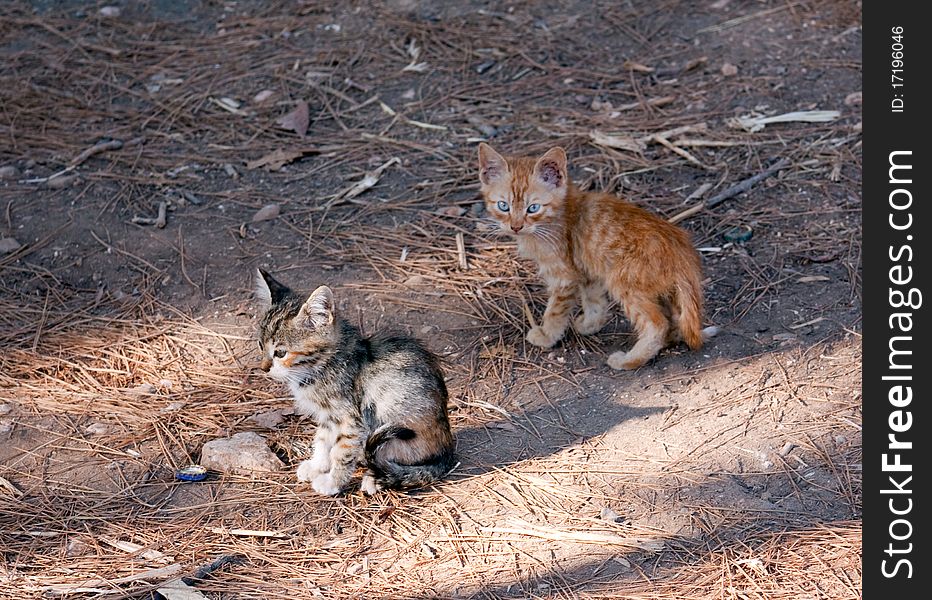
(391, 474)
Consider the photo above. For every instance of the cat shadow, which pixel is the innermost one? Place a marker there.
(541, 431)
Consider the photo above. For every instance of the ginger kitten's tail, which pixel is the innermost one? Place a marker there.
(689, 302)
(391, 474)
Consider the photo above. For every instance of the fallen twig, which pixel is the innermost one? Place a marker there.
(734, 190)
(159, 221)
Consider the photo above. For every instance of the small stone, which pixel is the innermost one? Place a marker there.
(76, 547)
(97, 429)
(60, 183)
(429, 551)
(611, 516)
(142, 388)
(9, 172)
(269, 419)
(409, 94)
(262, 96)
(424, 331)
(786, 449)
(266, 213)
(244, 453)
(599, 105)
(110, 11)
(8, 245)
(415, 280)
(503, 425)
(729, 70)
(6, 409)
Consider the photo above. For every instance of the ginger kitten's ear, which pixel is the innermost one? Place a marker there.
(551, 167)
(317, 312)
(269, 291)
(492, 165)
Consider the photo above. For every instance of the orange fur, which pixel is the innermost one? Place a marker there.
(587, 244)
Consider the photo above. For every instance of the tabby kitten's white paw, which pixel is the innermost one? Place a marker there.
(308, 470)
(368, 485)
(325, 484)
(538, 337)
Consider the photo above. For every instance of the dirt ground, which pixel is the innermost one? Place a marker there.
(732, 472)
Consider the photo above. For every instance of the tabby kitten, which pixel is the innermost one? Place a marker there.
(379, 400)
(589, 243)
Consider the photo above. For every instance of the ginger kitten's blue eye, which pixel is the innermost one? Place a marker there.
(533, 209)
(279, 353)
(502, 206)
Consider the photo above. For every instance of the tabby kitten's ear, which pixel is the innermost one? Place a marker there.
(492, 165)
(551, 168)
(268, 290)
(317, 312)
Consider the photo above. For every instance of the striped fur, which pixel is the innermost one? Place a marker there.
(591, 245)
(379, 401)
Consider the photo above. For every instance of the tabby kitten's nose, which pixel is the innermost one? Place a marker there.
(266, 364)
(517, 228)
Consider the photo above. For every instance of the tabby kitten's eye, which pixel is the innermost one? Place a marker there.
(502, 206)
(533, 208)
(279, 353)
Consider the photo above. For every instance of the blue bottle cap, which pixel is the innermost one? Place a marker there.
(191, 473)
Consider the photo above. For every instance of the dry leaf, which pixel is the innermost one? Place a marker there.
(636, 66)
(230, 105)
(297, 120)
(853, 98)
(8, 487)
(616, 141)
(451, 211)
(752, 123)
(275, 160)
(266, 213)
(371, 178)
(176, 589)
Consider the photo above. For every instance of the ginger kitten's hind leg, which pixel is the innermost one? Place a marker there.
(595, 309)
(651, 325)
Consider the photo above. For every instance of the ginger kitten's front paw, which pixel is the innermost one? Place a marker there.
(325, 484)
(620, 361)
(540, 338)
(308, 470)
(587, 324)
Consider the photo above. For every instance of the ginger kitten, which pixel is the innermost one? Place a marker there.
(380, 401)
(589, 244)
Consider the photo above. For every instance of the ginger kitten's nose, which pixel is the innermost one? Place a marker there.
(517, 227)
